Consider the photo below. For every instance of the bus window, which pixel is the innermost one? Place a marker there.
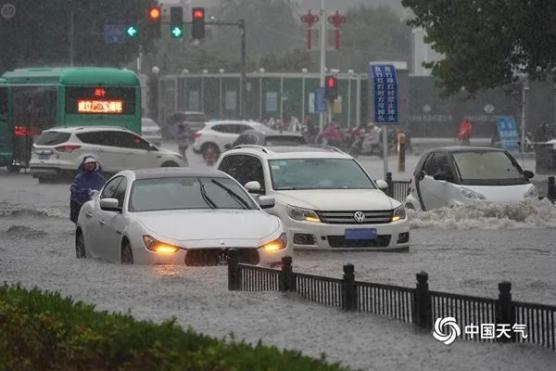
(3, 101)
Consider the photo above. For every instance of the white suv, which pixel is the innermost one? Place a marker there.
(220, 135)
(323, 196)
(59, 151)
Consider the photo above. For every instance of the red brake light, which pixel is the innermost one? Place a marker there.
(67, 148)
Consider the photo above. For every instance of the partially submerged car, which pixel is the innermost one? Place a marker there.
(178, 216)
(461, 175)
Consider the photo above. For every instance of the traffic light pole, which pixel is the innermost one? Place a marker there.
(243, 79)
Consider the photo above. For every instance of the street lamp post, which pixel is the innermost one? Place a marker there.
(261, 70)
(304, 71)
(220, 94)
(350, 72)
(524, 91)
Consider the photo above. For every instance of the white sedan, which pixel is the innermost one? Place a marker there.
(177, 216)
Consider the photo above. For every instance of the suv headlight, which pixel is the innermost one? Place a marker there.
(307, 215)
(398, 214)
(531, 193)
(471, 194)
(278, 244)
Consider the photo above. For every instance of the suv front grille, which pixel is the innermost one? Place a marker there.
(339, 241)
(347, 217)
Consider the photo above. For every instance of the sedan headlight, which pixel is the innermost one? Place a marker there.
(159, 247)
(531, 193)
(307, 215)
(398, 214)
(278, 244)
(471, 194)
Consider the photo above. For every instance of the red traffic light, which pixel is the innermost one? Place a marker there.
(331, 82)
(155, 13)
(198, 13)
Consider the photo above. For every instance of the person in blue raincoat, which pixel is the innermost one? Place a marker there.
(89, 179)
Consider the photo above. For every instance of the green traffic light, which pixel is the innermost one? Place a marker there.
(132, 31)
(176, 32)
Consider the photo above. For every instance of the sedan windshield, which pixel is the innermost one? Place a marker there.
(488, 168)
(188, 193)
(318, 173)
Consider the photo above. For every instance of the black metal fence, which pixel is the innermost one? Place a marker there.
(418, 305)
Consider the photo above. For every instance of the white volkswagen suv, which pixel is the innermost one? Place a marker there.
(323, 196)
(59, 151)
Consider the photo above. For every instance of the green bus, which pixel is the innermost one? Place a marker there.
(36, 99)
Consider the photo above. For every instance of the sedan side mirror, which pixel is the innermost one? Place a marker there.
(110, 204)
(253, 187)
(528, 174)
(382, 185)
(420, 175)
(266, 202)
(152, 147)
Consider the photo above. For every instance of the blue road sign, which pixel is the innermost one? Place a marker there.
(320, 101)
(507, 131)
(385, 82)
(115, 33)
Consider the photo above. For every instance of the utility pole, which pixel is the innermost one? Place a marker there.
(323, 17)
(243, 79)
(71, 30)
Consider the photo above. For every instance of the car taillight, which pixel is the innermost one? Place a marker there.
(197, 135)
(67, 148)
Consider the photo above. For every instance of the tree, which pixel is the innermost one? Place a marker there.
(39, 33)
(487, 43)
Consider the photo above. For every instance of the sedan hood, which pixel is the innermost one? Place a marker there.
(338, 199)
(210, 228)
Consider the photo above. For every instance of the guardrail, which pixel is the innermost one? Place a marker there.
(418, 305)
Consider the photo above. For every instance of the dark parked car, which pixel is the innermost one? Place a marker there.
(269, 138)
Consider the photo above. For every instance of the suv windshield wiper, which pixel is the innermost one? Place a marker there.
(234, 195)
(207, 198)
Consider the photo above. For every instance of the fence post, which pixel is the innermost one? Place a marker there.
(287, 279)
(551, 190)
(390, 184)
(234, 274)
(423, 303)
(505, 311)
(349, 292)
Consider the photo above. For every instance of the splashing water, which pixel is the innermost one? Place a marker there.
(488, 216)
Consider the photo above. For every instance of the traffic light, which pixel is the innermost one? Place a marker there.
(132, 31)
(198, 28)
(330, 88)
(176, 22)
(154, 15)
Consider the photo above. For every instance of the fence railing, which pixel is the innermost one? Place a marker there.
(397, 189)
(502, 318)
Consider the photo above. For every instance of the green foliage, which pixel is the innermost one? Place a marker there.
(487, 43)
(39, 34)
(42, 330)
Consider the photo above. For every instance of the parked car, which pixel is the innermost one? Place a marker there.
(218, 136)
(193, 119)
(269, 138)
(323, 196)
(151, 131)
(454, 176)
(178, 216)
(58, 152)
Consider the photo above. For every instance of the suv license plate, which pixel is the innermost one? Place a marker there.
(45, 156)
(360, 234)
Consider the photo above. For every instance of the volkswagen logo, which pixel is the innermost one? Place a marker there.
(359, 216)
